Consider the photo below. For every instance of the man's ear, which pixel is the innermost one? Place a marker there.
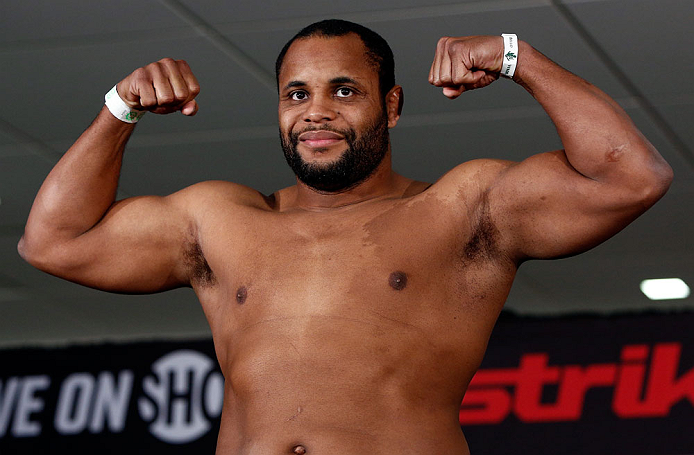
(394, 101)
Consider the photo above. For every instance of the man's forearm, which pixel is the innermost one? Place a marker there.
(599, 139)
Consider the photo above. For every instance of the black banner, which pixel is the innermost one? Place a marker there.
(102, 399)
(590, 385)
(620, 385)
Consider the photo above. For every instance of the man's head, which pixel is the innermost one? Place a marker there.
(378, 51)
(336, 104)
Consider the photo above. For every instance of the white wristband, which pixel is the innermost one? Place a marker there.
(119, 109)
(508, 63)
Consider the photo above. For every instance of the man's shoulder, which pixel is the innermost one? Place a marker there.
(215, 192)
(477, 174)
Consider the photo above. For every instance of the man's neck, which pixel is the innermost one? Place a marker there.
(383, 183)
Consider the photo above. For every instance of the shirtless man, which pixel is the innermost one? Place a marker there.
(349, 311)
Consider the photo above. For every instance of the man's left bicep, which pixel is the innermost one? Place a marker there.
(546, 209)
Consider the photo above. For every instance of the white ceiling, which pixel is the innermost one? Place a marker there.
(57, 59)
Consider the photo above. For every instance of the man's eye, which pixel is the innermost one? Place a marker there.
(344, 92)
(298, 96)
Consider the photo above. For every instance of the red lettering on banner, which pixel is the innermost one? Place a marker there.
(627, 401)
(494, 393)
(573, 385)
(664, 389)
(485, 404)
(534, 374)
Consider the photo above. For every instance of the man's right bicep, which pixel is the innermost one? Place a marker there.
(138, 247)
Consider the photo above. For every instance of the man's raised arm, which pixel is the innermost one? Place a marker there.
(77, 231)
(563, 202)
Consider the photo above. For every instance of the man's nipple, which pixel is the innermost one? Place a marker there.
(241, 295)
(397, 280)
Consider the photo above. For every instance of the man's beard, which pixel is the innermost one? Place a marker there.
(363, 155)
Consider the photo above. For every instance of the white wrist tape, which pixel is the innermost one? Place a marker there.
(119, 109)
(508, 64)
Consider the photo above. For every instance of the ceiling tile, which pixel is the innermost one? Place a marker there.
(50, 114)
(41, 19)
(646, 39)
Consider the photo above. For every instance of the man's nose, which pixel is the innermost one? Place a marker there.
(319, 109)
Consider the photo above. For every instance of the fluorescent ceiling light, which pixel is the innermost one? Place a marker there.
(665, 289)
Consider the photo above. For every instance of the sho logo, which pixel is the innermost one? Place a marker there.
(185, 395)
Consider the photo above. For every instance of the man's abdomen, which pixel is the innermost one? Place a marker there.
(341, 384)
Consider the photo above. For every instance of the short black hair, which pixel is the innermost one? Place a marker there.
(377, 49)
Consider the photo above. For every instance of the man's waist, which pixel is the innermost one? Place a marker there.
(312, 432)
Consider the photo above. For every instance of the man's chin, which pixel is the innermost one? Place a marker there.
(324, 157)
(328, 186)
(323, 175)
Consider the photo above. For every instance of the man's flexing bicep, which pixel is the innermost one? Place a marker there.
(564, 202)
(547, 209)
(139, 246)
(76, 229)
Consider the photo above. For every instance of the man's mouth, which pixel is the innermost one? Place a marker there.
(320, 139)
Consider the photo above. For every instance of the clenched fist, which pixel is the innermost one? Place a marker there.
(161, 87)
(466, 63)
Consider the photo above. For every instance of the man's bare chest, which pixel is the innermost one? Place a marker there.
(394, 250)
(336, 246)
(397, 273)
